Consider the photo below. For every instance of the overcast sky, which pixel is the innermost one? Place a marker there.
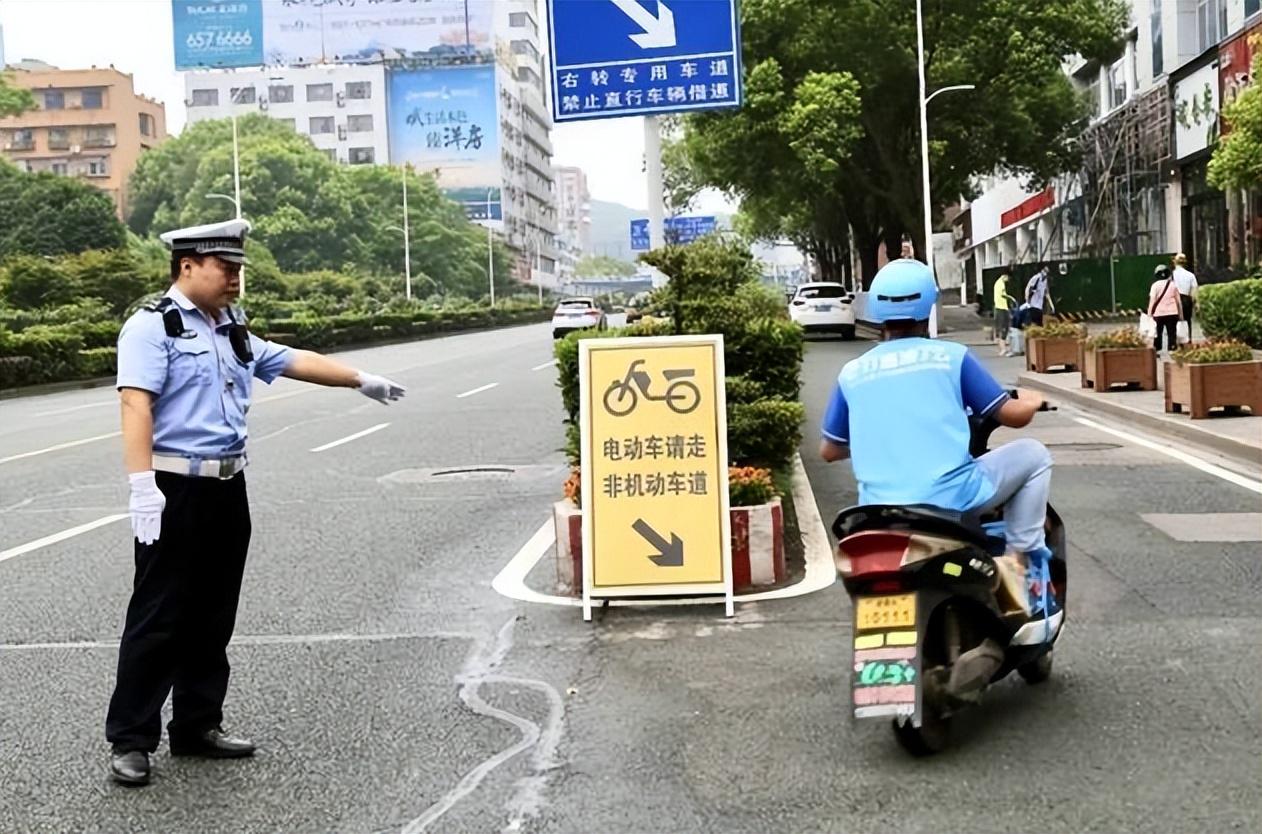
(135, 36)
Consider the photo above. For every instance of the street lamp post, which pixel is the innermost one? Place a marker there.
(236, 205)
(407, 261)
(490, 246)
(924, 150)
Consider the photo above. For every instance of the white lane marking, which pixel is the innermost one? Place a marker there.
(820, 571)
(274, 397)
(1179, 455)
(114, 401)
(256, 640)
(354, 436)
(476, 391)
(547, 364)
(61, 446)
(60, 537)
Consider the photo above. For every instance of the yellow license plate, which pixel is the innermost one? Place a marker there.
(898, 611)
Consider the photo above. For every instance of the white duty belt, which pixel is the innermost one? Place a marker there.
(221, 468)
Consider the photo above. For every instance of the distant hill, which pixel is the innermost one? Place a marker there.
(611, 228)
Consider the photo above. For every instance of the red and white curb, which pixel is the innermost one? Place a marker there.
(820, 570)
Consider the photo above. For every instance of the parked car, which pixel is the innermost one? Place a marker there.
(577, 313)
(823, 307)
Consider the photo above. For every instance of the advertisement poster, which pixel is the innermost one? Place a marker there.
(1196, 111)
(446, 121)
(239, 33)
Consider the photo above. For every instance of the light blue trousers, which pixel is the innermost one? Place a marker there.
(1022, 474)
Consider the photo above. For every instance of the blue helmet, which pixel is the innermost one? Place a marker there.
(904, 290)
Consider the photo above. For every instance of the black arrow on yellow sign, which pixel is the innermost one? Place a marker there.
(669, 554)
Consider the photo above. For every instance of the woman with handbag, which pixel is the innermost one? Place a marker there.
(1165, 308)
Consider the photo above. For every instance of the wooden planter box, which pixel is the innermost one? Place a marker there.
(1041, 355)
(1198, 388)
(1104, 368)
(757, 546)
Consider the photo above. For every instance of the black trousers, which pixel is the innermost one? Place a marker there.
(1188, 306)
(1035, 316)
(182, 612)
(1169, 325)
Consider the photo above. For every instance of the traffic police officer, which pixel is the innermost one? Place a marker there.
(185, 369)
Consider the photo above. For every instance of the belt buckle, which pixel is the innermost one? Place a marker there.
(227, 468)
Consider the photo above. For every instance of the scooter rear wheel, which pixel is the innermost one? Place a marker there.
(1037, 670)
(932, 736)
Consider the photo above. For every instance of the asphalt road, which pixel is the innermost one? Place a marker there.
(391, 689)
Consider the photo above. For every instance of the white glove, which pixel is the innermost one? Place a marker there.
(146, 505)
(379, 388)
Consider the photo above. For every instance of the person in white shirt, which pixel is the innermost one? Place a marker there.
(1036, 296)
(1185, 283)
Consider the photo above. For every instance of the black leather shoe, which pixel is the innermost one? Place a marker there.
(130, 768)
(213, 744)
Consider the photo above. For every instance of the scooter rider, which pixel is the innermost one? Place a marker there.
(898, 411)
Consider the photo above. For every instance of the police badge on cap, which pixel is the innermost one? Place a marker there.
(223, 240)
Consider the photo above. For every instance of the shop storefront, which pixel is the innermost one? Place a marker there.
(1196, 130)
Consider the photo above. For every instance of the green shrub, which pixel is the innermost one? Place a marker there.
(101, 361)
(764, 433)
(1056, 330)
(770, 353)
(742, 389)
(1232, 311)
(1125, 337)
(53, 351)
(1201, 353)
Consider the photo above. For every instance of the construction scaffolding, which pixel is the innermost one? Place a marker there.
(1120, 207)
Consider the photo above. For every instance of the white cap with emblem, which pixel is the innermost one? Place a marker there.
(224, 240)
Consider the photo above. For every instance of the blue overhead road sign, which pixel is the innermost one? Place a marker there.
(616, 58)
(678, 230)
(640, 235)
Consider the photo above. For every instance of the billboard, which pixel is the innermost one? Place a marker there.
(240, 33)
(446, 121)
(1196, 111)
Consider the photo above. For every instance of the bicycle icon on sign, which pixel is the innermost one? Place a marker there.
(682, 396)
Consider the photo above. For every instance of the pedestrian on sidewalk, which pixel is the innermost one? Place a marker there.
(1003, 314)
(1165, 307)
(186, 365)
(1186, 284)
(1036, 295)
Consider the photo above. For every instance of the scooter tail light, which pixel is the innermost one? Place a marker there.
(871, 552)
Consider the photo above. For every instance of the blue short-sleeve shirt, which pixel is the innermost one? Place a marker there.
(202, 390)
(901, 407)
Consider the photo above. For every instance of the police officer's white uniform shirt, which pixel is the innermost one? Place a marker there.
(203, 390)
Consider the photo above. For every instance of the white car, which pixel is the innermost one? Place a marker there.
(577, 313)
(824, 307)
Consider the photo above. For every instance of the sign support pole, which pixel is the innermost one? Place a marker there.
(653, 172)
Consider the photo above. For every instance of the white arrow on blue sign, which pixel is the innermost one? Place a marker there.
(616, 58)
(678, 230)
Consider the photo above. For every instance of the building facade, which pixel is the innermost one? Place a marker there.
(86, 123)
(340, 107)
(1142, 187)
(574, 223)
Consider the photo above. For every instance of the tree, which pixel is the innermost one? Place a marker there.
(1237, 161)
(828, 139)
(602, 266)
(46, 214)
(14, 101)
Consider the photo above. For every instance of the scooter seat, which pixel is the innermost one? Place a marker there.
(924, 518)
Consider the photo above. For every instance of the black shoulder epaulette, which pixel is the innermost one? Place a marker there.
(172, 321)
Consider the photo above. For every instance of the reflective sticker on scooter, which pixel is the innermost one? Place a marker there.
(869, 641)
(900, 638)
(952, 569)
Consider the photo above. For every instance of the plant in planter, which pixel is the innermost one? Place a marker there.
(1206, 375)
(1051, 345)
(1118, 357)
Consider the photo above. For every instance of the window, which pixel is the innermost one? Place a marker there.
(23, 139)
(361, 156)
(525, 48)
(1117, 84)
(1093, 96)
(97, 168)
(1252, 7)
(242, 95)
(281, 93)
(359, 124)
(522, 19)
(99, 137)
(58, 138)
(361, 90)
(320, 92)
(146, 124)
(205, 98)
(1209, 19)
(331, 153)
(91, 99)
(1158, 47)
(54, 100)
(59, 168)
(289, 123)
(320, 124)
